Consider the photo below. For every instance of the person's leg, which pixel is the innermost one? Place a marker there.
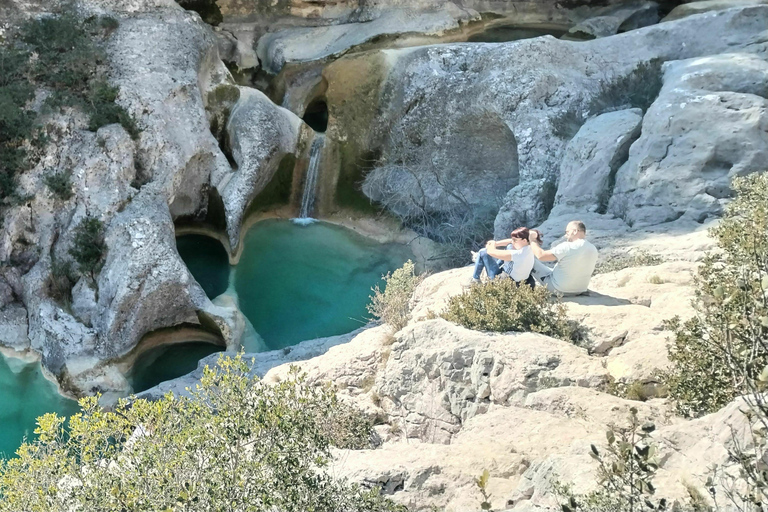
(479, 265)
(491, 267)
(485, 262)
(540, 270)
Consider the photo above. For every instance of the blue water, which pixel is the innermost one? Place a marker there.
(25, 394)
(168, 362)
(298, 282)
(302, 282)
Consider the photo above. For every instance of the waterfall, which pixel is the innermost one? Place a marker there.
(310, 183)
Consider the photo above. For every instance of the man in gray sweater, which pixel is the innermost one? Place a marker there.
(576, 259)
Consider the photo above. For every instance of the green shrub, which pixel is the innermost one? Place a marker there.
(619, 261)
(62, 280)
(16, 120)
(235, 444)
(88, 245)
(105, 111)
(625, 472)
(68, 61)
(60, 184)
(721, 351)
(392, 306)
(503, 306)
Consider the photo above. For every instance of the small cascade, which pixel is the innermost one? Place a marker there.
(310, 183)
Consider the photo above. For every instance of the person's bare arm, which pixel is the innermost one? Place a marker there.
(540, 253)
(493, 252)
(504, 242)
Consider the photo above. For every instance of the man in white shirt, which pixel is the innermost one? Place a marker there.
(576, 259)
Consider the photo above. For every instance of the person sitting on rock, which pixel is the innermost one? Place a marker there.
(517, 260)
(576, 259)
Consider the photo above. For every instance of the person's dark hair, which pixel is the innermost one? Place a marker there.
(580, 226)
(520, 233)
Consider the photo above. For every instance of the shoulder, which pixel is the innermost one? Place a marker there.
(563, 248)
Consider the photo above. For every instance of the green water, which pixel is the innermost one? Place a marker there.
(168, 362)
(25, 394)
(207, 260)
(296, 283)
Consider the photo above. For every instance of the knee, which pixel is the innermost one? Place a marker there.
(482, 252)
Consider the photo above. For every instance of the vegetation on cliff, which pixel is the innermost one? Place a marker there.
(236, 444)
(50, 63)
(722, 351)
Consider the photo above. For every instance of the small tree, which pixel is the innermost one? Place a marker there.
(625, 473)
(88, 245)
(392, 305)
(723, 351)
(237, 444)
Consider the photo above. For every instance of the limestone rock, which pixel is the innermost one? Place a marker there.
(618, 18)
(261, 134)
(414, 102)
(677, 167)
(704, 6)
(592, 159)
(150, 290)
(440, 375)
(84, 304)
(277, 49)
(165, 60)
(14, 326)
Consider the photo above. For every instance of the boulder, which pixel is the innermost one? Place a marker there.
(618, 18)
(592, 159)
(704, 6)
(261, 135)
(14, 327)
(707, 126)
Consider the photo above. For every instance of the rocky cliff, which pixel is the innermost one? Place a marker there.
(634, 125)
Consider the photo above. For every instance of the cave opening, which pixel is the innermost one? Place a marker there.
(316, 115)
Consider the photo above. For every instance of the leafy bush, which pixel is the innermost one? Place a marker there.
(392, 305)
(615, 262)
(722, 351)
(62, 280)
(501, 305)
(105, 111)
(16, 120)
(66, 56)
(88, 245)
(625, 473)
(60, 184)
(235, 444)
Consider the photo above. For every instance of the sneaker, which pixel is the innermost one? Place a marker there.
(474, 256)
(473, 281)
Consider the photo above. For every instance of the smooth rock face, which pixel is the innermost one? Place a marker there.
(691, 8)
(707, 126)
(592, 158)
(261, 134)
(616, 18)
(457, 374)
(424, 96)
